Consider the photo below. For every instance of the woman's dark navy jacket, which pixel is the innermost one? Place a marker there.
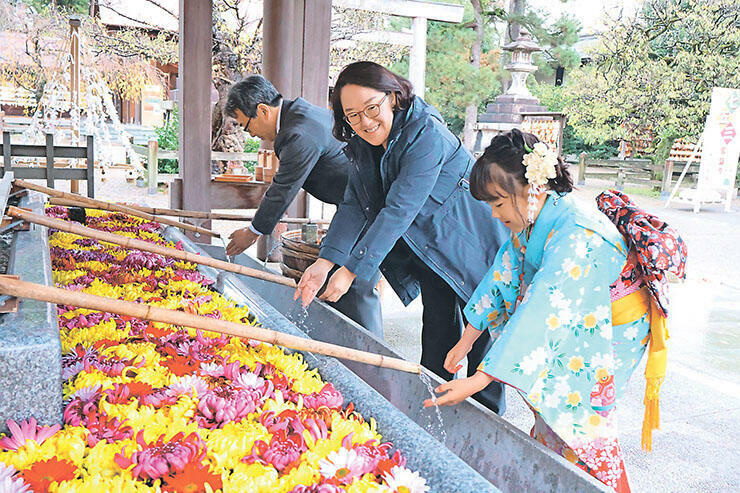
(420, 193)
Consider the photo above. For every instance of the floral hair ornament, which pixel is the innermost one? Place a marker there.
(540, 163)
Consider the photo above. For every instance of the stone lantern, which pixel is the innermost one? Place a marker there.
(521, 64)
(504, 113)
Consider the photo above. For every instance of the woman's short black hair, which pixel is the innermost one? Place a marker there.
(502, 164)
(246, 94)
(374, 76)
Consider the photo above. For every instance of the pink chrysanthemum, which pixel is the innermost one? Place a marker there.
(10, 482)
(162, 458)
(28, 430)
(281, 453)
(189, 384)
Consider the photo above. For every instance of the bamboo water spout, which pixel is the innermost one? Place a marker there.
(81, 200)
(224, 216)
(127, 242)
(23, 289)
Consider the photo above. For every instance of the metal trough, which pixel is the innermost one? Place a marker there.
(30, 366)
(493, 447)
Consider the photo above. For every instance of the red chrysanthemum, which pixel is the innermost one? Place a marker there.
(41, 474)
(180, 366)
(192, 479)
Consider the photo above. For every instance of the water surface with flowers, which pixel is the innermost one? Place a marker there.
(150, 406)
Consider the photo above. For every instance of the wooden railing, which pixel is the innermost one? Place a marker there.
(633, 172)
(154, 154)
(50, 152)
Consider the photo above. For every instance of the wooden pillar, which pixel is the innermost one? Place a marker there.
(50, 160)
(315, 64)
(295, 58)
(74, 84)
(418, 55)
(194, 98)
(90, 166)
(278, 44)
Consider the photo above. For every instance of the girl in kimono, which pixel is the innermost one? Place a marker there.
(568, 325)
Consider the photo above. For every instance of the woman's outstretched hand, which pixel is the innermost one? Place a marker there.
(312, 280)
(456, 355)
(339, 284)
(459, 390)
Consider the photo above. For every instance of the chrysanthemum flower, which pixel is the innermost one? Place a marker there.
(226, 403)
(192, 479)
(9, 482)
(343, 465)
(42, 474)
(402, 480)
(162, 458)
(282, 452)
(197, 402)
(28, 430)
(188, 385)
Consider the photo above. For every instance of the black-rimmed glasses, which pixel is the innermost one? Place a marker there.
(370, 111)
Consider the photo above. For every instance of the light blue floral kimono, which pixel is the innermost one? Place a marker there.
(547, 303)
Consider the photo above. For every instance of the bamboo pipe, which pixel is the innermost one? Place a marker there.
(132, 243)
(107, 206)
(225, 216)
(24, 289)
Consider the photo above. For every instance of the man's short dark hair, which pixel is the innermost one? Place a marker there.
(246, 94)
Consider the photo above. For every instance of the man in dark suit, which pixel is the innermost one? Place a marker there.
(310, 158)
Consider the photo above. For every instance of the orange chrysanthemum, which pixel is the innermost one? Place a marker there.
(41, 474)
(157, 332)
(180, 366)
(139, 389)
(192, 479)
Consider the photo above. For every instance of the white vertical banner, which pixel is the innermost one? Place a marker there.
(721, 149)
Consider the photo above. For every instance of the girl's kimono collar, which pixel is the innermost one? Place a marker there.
(534, 247)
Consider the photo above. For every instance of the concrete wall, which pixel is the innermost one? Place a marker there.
(30, 350)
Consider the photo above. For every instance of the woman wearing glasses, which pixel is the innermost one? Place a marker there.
(406, 210)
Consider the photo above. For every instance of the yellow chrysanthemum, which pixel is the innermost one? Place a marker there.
(26, 455)
(90, 379)
(366, 484)
(227, 446)
(278, 404)
(251, 477)
(318, 449)
(64, 277)
(99, 460)
(362, 432)
(303, 474)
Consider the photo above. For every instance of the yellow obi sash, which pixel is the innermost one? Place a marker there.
(631, 308)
